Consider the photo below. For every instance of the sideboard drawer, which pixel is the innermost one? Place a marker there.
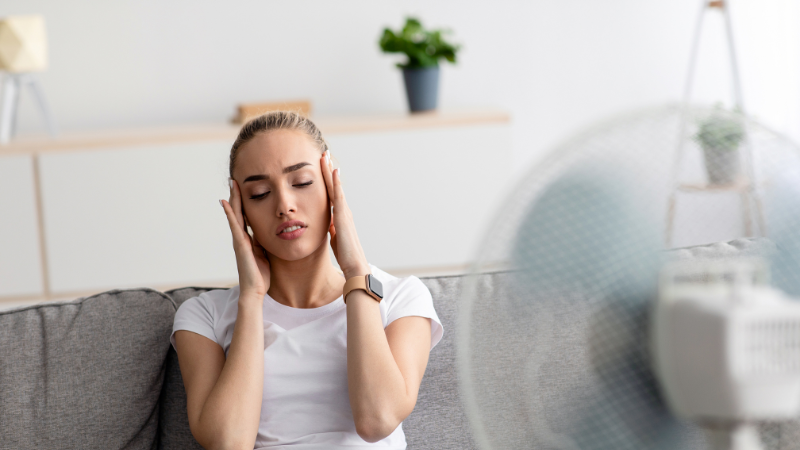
(20, 254)
(137, 216)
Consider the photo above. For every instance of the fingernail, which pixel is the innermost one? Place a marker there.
(339, 171)
(328, 156)
(230, 182)
(220, 204)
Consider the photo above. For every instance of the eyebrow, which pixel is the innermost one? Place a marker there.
(289, 169)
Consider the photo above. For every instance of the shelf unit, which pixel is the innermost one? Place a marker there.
(131, 208)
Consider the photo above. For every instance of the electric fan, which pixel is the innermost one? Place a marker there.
(581, 347)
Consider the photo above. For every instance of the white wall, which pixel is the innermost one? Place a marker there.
(556, 65)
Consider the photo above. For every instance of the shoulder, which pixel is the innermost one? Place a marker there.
(407, 296)
(205, 314)
(399, 287)
(402, 293)
(212, 302)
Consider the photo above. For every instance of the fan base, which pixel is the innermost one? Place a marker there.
(732, 436)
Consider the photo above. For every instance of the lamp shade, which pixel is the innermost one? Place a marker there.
(23, 44)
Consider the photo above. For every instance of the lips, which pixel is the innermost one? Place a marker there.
(292, 229)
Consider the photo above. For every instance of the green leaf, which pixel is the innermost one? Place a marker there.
(721, 129)
(422, 47)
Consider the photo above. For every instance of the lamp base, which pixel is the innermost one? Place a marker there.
(12, 85)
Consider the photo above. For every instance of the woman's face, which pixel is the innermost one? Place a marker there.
(282, 188)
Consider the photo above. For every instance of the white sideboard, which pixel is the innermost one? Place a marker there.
(83, 214)
(20, 253)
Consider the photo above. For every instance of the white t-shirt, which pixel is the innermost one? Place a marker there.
(305, 403)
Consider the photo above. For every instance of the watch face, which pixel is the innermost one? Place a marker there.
(375, 286)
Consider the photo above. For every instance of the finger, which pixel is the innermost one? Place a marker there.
(325, 163)
(332, 230)
(236, 229)
(332, 226)
(260, 253)
(341, 212)
(257, 245)
(247, 228)
(236, 204)
(338, 193)
(258, 250)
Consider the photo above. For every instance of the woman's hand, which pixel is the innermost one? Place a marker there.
(251, 260)
(344, 239)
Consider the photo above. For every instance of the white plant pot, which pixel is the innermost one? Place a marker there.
(722, 165)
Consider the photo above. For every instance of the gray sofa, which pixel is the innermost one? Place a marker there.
(99, 372)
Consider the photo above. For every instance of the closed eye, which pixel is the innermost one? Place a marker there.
(301, 185)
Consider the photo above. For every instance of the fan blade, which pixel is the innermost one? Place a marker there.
(586, 244)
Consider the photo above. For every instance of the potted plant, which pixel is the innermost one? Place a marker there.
(424, 49)
(719, 134)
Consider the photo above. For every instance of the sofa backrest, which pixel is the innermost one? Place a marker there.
(88, 373)
(557, 375)
(438, 420)
(84, 374)
(173, 427)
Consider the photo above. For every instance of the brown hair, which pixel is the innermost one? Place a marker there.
(276, 120)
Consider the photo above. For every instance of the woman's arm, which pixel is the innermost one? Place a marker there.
(223, 397)
(384, 368)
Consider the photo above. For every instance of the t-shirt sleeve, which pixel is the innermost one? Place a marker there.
(413, 298)
(195, 315)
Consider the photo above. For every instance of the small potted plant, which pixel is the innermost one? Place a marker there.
(719, 134)
(424, 49)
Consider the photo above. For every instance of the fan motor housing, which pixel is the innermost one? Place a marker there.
(726, 345)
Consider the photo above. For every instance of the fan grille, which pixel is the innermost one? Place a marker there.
(553, 349)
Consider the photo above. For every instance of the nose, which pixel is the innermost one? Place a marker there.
(286, 204)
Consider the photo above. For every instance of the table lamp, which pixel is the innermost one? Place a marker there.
(23, 51)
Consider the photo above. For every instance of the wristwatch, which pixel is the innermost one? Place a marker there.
(367, 282)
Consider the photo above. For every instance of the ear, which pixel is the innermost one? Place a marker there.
(247, 228)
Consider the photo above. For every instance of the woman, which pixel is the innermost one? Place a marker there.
(283, 360)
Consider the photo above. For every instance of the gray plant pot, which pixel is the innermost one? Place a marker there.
(722, 165)
(422, 88)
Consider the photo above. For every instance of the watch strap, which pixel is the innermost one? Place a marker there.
(359, 282)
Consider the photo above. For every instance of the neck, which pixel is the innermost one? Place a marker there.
(310, 282)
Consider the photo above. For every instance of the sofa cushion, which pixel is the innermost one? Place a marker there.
(438, 420)
(737, 248)
(173, 427)
(84, 374)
